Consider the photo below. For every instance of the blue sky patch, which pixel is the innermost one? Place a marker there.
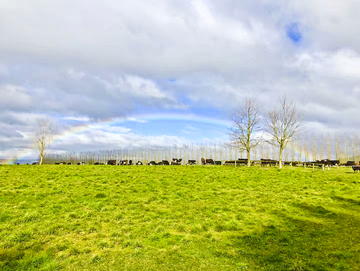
(293, 32)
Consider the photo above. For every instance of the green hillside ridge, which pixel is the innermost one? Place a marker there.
(178, 218)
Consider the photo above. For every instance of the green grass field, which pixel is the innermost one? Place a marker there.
(178, 218)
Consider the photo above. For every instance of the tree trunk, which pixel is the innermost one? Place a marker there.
(248, 158)
(280, 157)
(41, 159)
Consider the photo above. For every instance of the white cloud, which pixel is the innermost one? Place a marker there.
(114, 58)
(82, 119)
(343, 64)
(15, 97)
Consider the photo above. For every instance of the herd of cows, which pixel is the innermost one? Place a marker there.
(240, 162)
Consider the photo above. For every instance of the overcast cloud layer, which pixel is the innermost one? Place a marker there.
(99, 60)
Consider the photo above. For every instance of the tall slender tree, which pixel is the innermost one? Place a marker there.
(43, 137)
(284, 124)
(246, 127)
(328, 146)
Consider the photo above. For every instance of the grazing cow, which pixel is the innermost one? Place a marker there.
(191, 162)
(164, 163)
(96, 163)
(241, 161)
(356, 168)
(35, 163)
(152, 163)
(69, 163)
(176, 161)
(111, 162)
(218, 163)
(81, 163)
(268, 162)
(350, 163)
(334, 162)
(57, 163)
(139, 163)
(207, 161)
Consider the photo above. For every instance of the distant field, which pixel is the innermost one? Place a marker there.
(178, 218)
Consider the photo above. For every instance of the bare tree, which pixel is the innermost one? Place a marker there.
(314, 146)
(244, 133)
(337, 147)
(347, 147)
(306, 151)
(353, 146)
(321, 142)
(44, 136)
(356, 147)
(284, 124)
(293, 151)
(300, 150)
(328, 146)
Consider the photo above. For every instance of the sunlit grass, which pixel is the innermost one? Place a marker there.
(177, 218)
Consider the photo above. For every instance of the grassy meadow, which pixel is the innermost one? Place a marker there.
(178, 218)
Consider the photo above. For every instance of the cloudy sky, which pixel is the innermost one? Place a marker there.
(116, 74)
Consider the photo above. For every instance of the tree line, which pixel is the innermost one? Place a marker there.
(277, 134)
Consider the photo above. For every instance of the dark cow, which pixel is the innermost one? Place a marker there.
(191, 162)
(35, 163)
(334, 162)
(69, 163)
(350, 163)
(81, 163)
(139, 163)
(164, 163)
(111, 162)
(152, 163)
(241, 161)
(268, 162)
(176, 161)
(96, 163)
(207, 161)
(218, 163)
(57, 163)
(356, 168)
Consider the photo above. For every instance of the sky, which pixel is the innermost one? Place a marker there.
(117, 74)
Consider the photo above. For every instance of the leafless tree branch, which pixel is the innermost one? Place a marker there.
(246, 126)
(44, 136)
(284, 124)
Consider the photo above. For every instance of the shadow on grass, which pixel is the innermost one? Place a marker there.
(314, 241)
(348, 200)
